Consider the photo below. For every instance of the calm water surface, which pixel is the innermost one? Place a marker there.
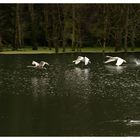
(69, 100)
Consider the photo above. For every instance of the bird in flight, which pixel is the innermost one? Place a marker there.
(137, 61)
(39, 65)
(82, 59)
(119, 61)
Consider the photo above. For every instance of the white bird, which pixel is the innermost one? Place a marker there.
(39, 65)
(82, 59)
(133, 122)
(118, 59)
(137, 61)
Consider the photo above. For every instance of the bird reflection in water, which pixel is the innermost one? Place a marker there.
(39, 85)
(78, 82)
(114, 69)
(82, 72)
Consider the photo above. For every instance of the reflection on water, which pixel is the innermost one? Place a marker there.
(78, 79)
(67, 100)
(39, 85)
(115, 69)
(82, 73)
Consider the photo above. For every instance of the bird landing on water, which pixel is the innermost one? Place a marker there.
(119, 61)
(82, 59)
(37, 65)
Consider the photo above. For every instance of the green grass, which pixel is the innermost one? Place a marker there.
(44, 50)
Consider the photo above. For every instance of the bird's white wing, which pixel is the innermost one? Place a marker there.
(137, 61)
(78, 60)
(119, 62)
(86, 60)
(111, 59)
(35, 63)
(47, 63)
(42, 63)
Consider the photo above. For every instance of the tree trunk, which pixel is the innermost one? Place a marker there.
(64, 28)
(17, 35)
(105, 26)
(79, 38)
(126, 29)
(118, 38)
(33, 27)
(55, 28)
(73, 27)
(48, 26)
(133, 39)
(1, 45)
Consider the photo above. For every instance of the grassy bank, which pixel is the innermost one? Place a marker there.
(44, 50)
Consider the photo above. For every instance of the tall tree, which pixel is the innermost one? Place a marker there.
(56, 27)
(1, 44)
(105, 13)
(17, 35)
(134, 24)
(48, 25)
(117, 26)
(64, 26)
(126, 27)
(73, 27)
(33, 27)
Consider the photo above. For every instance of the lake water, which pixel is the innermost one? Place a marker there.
(69, 100)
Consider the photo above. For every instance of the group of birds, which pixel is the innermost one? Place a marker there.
(119, 61)
(85, 60)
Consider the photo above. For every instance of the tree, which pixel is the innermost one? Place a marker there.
(117, 26)
(17, 35)
(73, 27)
(134, 24)
(1, 45)
(105, 13)
(33, 27)
(48, 25)
(126, 27)
(64, 26)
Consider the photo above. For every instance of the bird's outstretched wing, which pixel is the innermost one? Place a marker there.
(35, 63)
(78, 60)
(86, 60)
(119, 62)
(111, 59)
(137, 61)
(42, 63)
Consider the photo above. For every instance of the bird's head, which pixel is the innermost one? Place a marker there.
(124, 61)
(47, 63)
(33, 63)
(108, 56)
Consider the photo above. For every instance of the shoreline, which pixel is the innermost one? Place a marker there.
(33, 53)
(42, 50)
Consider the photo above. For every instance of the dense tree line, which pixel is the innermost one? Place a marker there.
(70, 25)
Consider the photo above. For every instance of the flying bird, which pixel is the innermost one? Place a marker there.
(137, 61)
(119, 61)
(82, 59)
(39, 65)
